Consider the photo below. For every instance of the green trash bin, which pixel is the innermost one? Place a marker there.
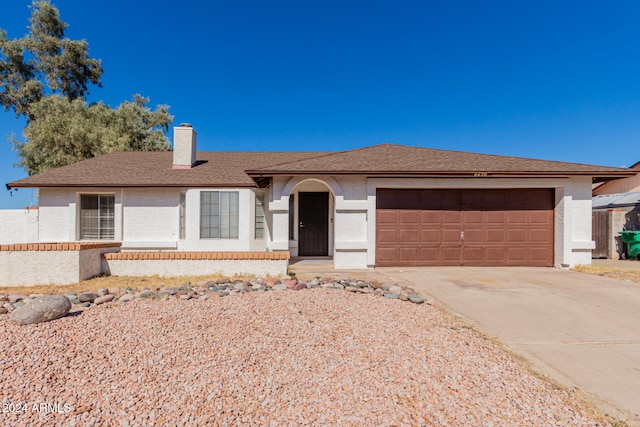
(632, 239)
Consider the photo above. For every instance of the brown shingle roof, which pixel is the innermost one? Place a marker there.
(155, 169)
(401, 159)
(235, 169)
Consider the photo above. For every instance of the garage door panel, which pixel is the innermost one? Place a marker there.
(517, 254)
(516, 236)
(387, 236)
(451, 254)
(409, 254)
(501, 227)
(430, 235)
(387, 217)
(410, 217)
(450, 236)
(496, 236)
(538, 217)
(540, 236)
(474, 235)
(472, 217)
(496, 255)
(471, 254)
(495, 217)
(516, 217)
(451, 217)
(539, 255)
(431, 217)
(409, 235)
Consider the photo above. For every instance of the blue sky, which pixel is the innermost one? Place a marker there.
(545, 79)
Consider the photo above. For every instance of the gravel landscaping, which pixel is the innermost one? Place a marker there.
(310, 357)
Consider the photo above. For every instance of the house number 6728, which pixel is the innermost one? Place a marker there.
(480, 174)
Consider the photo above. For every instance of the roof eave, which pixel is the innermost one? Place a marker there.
(103, 185)
(463, 174)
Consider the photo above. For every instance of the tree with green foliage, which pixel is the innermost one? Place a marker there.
(45, 78)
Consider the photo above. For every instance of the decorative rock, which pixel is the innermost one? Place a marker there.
(379, 292)
(290, 284)
(350, 288)
(87, 296)
(126, 298)
(387, 285)
(299, 286)
(86, 304)
(102, 292)
(395, 290)
(376, 285)
(185, 297)
(145, 294)
(4, 298)
(104, 298)
(3, 310)
(390, 295)
(403, 297)
(279, 287)
(42, 309)
(13, 298)
(416, 299)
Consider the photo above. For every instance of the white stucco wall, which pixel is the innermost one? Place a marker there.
(19, 225)
(355, 212)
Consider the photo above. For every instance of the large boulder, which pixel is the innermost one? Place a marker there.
(42, 309)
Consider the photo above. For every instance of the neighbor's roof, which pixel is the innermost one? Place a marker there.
(606, 201)
(237, 169)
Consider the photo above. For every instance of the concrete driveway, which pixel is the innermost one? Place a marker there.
(581, 329)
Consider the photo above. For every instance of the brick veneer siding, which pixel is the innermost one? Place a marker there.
(72, 246)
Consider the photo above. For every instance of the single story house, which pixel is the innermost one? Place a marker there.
(382, 205)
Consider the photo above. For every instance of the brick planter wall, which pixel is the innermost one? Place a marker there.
(169, 264)
(26, 264)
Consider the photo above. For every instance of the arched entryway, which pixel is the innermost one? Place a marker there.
(311, 215)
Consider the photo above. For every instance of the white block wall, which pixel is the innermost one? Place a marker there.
(19, 226)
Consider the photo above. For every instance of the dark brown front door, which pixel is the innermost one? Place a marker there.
(491, 227)
(313, 218)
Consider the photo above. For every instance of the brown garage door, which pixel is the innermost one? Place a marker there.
(492, 227)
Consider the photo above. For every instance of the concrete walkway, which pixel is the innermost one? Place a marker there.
(581, 329)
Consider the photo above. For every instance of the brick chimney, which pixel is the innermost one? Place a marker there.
(184, 146)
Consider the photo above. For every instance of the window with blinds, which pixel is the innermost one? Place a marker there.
(219, 214)
(97, 217)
